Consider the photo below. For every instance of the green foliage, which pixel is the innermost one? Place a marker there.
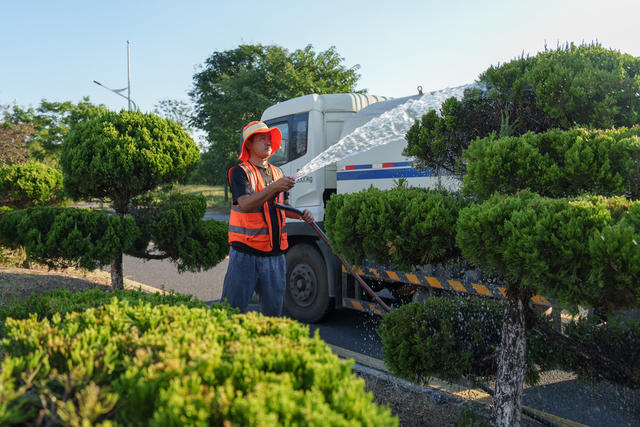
(587, 85)
(63, 302)
(556, 163)
(122, 155)
(174, 223)
(584, 85)
(461, 337)
(451, 338)
(174, 365)
(29, 183)
(582, 251)
(454, 333)
(90, 239)
(13, 139)
(402, 227)
(179, 111)
(618, 339)
(235, 86)
(63, 237)
(438, 140)
(470, 419)
(50, 123)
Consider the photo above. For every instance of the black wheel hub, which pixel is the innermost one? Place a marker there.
(303, 285)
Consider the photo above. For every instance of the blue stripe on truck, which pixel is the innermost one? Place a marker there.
(382, 174)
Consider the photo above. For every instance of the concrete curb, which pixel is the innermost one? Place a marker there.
(133, 285)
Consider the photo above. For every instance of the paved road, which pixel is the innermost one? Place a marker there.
(206, 286)
(559, 394)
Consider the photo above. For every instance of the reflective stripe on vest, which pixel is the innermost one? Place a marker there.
(254, 228)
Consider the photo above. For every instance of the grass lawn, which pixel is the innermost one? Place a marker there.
(213, 193)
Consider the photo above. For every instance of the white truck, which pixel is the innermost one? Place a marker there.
(316, 281)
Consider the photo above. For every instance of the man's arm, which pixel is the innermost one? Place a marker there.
(307, 216)
(251, 202)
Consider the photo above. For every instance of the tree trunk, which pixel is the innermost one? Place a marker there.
(511, 364)
(226, 193)
(117, 278)
(22, 253)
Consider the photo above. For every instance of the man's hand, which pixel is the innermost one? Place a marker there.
(285, 183)
(307, 216)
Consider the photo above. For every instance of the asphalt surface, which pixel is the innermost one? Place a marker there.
(559, 393)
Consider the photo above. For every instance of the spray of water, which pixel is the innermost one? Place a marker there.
(390, 126)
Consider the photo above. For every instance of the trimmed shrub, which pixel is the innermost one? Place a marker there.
(462, 338)
(581, 251)
(448, 337)
(29, 183)
(438, 139)
(63, 301)
(174, 223)
(64, 237)
(403, 226)
(174, 365)
(584, 85)
(556, 163)
(61, 237)
(618, 339)
(122, 155)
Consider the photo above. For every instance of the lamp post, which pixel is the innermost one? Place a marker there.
(128, 88)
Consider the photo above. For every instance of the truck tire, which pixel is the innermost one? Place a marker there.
(306, 297)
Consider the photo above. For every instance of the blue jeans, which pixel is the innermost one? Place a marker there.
(263, 274)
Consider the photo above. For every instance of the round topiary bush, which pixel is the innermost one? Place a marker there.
(175, 365)
(457, 334)
(29, 183)
(122, 155)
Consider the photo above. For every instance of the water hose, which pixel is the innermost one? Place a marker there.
(346, 265)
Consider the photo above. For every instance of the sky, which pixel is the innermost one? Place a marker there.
(54, 50)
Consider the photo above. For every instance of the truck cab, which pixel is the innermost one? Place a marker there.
(309, 125)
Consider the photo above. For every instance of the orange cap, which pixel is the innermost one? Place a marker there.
(259, 127)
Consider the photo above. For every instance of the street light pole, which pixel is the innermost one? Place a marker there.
(128, 88)
(129, 76)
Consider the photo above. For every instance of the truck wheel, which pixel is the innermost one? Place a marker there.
(306, 297)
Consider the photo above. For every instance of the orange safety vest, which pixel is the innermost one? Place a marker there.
(254, 228)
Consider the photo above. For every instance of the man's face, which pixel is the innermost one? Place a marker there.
(260, 145)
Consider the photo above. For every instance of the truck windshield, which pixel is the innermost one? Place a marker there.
(294, 137)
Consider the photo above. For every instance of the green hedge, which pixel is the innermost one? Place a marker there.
(63, 301)
(403, 226)
(65, 236)
(30, 183)
(90, 239)
(618, 339)
(443, 336)
(122, 155)
(173, 222)
(586, 85)
(173, 365)
(556, 163)
(582, 251)
(456, 337)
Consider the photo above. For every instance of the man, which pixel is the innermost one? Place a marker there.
(256, 228)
